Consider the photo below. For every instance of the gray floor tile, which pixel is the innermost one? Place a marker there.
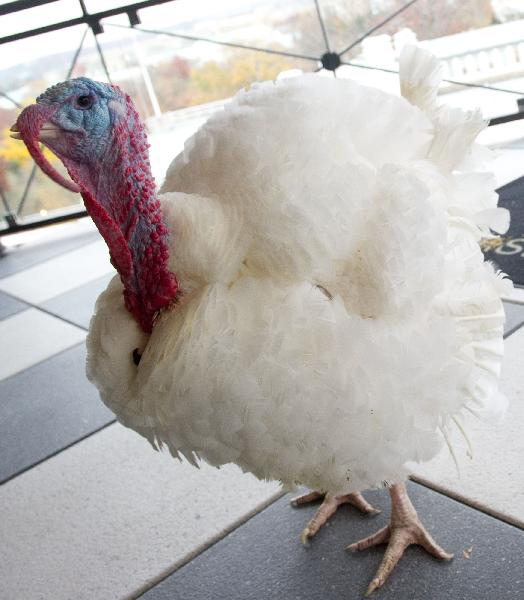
(264, 560)
(27, 255)
(514, 317)
(104, 518)
(10, 306)
(46, 408)
(32, 336)
(60, 274)
(78, 305)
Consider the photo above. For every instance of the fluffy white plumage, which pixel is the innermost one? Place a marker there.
(337, 314)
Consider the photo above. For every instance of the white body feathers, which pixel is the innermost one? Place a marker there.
(336, 313)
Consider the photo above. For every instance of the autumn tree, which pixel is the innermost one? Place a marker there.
(4, 184)
(240, 68)
(179, 83)
(170, 80)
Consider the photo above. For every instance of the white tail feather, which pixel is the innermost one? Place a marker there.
(455, 132)
(420, 76)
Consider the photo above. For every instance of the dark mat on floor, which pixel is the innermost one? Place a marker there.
(45, 409)
(509, 255)
(264, 559)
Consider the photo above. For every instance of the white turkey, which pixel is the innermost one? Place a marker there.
(331, 318)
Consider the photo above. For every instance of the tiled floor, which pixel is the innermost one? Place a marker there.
(10, 306)
(31, 336)
(264, 559)
(25, 250)
(39, 283)
(65, 409)
(108, 516)
(90, 511)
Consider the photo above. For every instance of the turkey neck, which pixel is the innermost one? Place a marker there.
(119, 195)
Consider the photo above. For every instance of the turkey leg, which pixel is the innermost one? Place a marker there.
(328, 508)
(404, 529)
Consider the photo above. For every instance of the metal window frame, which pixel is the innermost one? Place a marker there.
(87, 18)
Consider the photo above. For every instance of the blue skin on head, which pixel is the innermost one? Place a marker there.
(86, 112)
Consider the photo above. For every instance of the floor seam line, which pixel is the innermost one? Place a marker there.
(39, 362)
(474, 504)
(56, 453)
(38, 263)
(59, 317)
(139, 593)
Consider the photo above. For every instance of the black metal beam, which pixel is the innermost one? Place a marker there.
(506, 119)
(373, 29)
(91, 19)
(36, 221)
(12, 7)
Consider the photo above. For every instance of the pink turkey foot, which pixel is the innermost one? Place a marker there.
(404, 529)
(329, 507)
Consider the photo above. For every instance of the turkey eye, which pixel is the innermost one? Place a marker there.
(84, 101)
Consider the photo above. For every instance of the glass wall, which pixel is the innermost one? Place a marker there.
(187, 57)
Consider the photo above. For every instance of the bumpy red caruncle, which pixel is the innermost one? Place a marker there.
(140, 252)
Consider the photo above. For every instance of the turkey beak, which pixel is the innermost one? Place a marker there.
(15, 132)
(48, 131)
(33, 126)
